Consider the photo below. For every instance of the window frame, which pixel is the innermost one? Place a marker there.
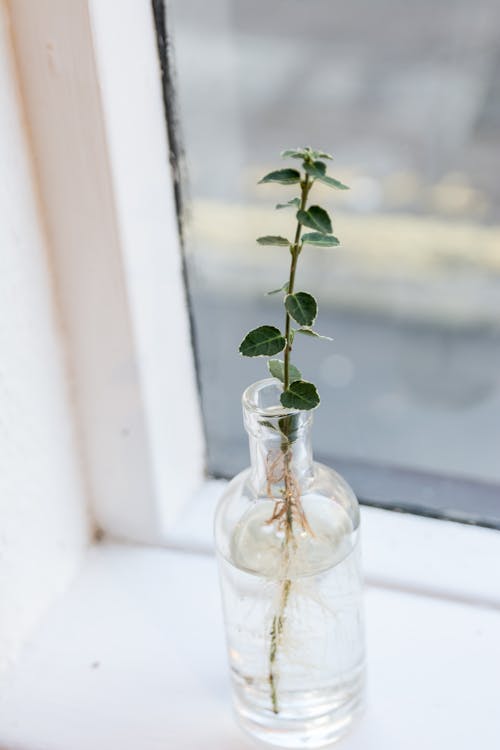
(97, 129)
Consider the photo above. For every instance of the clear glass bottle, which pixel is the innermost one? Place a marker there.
(287, 539)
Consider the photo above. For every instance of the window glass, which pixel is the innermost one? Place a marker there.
(406, 96)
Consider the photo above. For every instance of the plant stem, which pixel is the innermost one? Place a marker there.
(276, 633)
(305, 187)
(290, 486)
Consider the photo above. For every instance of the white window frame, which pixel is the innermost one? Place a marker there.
(92, 92)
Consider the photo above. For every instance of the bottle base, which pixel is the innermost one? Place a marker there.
(307, 734)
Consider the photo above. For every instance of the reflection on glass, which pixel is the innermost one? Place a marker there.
(406, 96)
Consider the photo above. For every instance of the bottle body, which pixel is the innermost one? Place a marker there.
(287, 538)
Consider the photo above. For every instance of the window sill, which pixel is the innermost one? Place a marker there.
(125, 660)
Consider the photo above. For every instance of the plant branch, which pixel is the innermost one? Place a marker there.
(290, 489)
(295, 250)
(288, 513)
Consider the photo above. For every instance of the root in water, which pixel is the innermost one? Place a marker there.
(287, 512)
(288, 507)
(276, 635)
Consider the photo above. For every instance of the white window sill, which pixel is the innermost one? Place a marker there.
(133, 656)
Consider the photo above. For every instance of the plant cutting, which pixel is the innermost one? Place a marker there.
(287, 528)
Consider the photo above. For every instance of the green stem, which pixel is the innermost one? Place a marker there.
(279, 618)
(295, 250)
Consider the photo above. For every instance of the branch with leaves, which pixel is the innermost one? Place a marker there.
(300, 307)
(301, 310)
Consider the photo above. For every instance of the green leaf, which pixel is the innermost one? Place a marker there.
(277, 370)
(267, 424)
(300, 395)
(283, 288)
(310, 332)
(296, 153)
(293, 202)
(316, 218)
(320, 240)
(283, 176)
(317, 170)
(332, 182)
(321, 155)
(290, 426)
(273, 239)
(302, 307)
(293, 153)
(306, 153)
(262, 342)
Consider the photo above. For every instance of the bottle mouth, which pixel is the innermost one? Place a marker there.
(263, 399)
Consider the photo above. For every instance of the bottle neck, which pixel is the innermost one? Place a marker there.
(279, 439)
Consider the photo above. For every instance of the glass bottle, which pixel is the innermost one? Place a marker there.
(287, 540)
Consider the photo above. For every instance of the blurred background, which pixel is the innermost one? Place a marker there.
(407, 97)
